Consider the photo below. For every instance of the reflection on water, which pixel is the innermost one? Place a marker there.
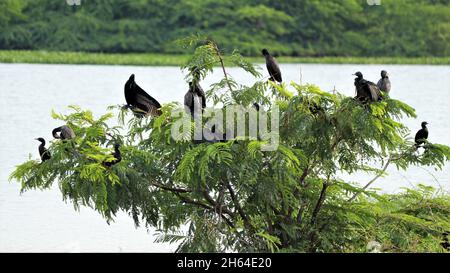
(40, 221)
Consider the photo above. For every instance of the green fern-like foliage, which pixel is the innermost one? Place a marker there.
(232, 195)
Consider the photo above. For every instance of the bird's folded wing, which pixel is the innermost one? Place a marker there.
(189, 100)
(374, 91)
(274, 70)
(67, 132)
(147, 100)
(142, 95)
(388, 85)
(202, 95)
(380, 83)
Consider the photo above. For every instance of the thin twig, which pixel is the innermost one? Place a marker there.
(223, 65)
(371, 181)
(193, 202)
(320, 201)
(380, 174)
(236, 203)
(178, 192)
(212, 202)
(301, 76)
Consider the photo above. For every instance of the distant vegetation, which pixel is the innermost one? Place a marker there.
(153, 59)
(308, 28)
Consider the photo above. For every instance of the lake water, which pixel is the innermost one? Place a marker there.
(41, 221)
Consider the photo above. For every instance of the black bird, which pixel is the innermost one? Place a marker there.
(272, 67)
(256, 106)
(366, 90)
(421, 135)
(43, 152)
(136, 97)
(384, 84)
(195, 98)
(65, 132)
(117, 156)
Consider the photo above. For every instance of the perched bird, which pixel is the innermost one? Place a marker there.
(117, 156)
(136, 97)
(43, 152)
(421, 135)
(65, 132)
(272, 67)
(256, 106)
(384, 84)
(366, 90)
(195, 98)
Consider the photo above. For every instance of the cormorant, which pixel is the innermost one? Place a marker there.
(421, 135)
(272, 67)
(366, 90)
(384, 83)
(136, 97)
(43, 152)
(65, 132)
(195, 98)
(117, 156)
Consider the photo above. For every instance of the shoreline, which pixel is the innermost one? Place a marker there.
(155, 59)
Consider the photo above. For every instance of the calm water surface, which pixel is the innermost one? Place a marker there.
(41, 221)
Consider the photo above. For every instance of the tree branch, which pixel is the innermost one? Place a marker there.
(381, 173)
(300, 211)
(236, 204)
(371, 181)
(193, 202)
(222, 64)
(303, 184)
(319, 202)
(178, 192)
(323, 192)
(215, 205)
(200, 204)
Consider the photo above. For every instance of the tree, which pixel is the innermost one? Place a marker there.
(232, 195)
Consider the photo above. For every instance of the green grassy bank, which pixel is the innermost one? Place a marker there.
(151, 59)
